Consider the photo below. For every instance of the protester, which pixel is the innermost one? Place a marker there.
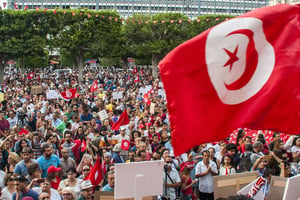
(70, 134)
(21, 189)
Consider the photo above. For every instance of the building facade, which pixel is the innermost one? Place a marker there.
(191, 8)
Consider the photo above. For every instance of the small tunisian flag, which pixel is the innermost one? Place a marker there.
(134, 71)
(69, 94)
(123, 120)
(30, 75)
(94, 86)
(23, 131)
(125, 145)
(95, 175)
(83, 146)
(242, 73)
(146, 99)
(136, 79)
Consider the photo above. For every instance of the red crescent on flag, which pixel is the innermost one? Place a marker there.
(251, 61)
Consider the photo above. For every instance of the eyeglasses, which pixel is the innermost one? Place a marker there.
(67, 194)
(86, 170)
(169, 162)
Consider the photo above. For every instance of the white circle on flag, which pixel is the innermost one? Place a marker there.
(68, 94)
(239, 59)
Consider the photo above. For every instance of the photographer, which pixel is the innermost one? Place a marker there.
(171, 180)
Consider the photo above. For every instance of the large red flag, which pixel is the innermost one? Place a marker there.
(123, 120)
(242, 73)
(94, 86)
(69, 94)
(95, 175)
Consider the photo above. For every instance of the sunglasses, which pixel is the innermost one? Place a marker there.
(86, 170)
(66, 194)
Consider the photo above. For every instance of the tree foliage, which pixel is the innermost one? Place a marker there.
(28, 36)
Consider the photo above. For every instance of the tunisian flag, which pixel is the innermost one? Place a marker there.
(242, 73)
(125, 145)
(95, 175)
(123, 120)
(69, 94)
(94, 86)
(30, 75)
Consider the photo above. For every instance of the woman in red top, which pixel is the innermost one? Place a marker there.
(187, 183)
(53, 173)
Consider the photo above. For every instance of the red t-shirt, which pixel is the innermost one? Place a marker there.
(55, 185)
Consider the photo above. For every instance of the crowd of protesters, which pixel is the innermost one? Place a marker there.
(43, 157)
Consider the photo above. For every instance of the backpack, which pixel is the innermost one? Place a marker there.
(245, 163)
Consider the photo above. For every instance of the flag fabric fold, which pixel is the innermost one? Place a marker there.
(123, 120)
(95, 175)
(242, 73)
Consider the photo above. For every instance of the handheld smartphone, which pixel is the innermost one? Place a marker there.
(40, 180)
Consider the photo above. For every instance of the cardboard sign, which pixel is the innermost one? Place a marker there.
(103, 115)
(152, 108)
(140, 175)
(277, 188)
(52, 94)
(1, 96)
(227, 185)
(37, 89)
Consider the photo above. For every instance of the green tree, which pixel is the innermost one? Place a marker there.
(154, 36)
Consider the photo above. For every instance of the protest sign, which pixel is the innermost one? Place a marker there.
(52, 94)
(103, 115)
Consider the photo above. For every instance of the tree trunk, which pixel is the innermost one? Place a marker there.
(155, 59)
(2, 64)
(79, 60)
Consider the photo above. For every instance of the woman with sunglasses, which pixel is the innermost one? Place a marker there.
(85, 171)
(68, 194)
(10, 188)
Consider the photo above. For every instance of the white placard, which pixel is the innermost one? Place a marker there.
(161, 92)
(292, 188)
(129, 176)
(115, 95)
(160, 84)
(52, 94)
(103, 115)
(148, 88)
(119, 95)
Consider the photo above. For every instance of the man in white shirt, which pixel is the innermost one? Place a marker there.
(171, 179)
(205, 170)
(46, 187)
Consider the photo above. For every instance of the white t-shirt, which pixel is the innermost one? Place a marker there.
(6, 195)
(206, 183)
(54, 193)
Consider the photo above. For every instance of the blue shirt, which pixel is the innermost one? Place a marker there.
(30, 193)
(84, 118)
(21, 168)
(45, 164)
(107, 188)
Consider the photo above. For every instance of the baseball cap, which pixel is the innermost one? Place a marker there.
(122, 128)
(52, 169)
(86, 184)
